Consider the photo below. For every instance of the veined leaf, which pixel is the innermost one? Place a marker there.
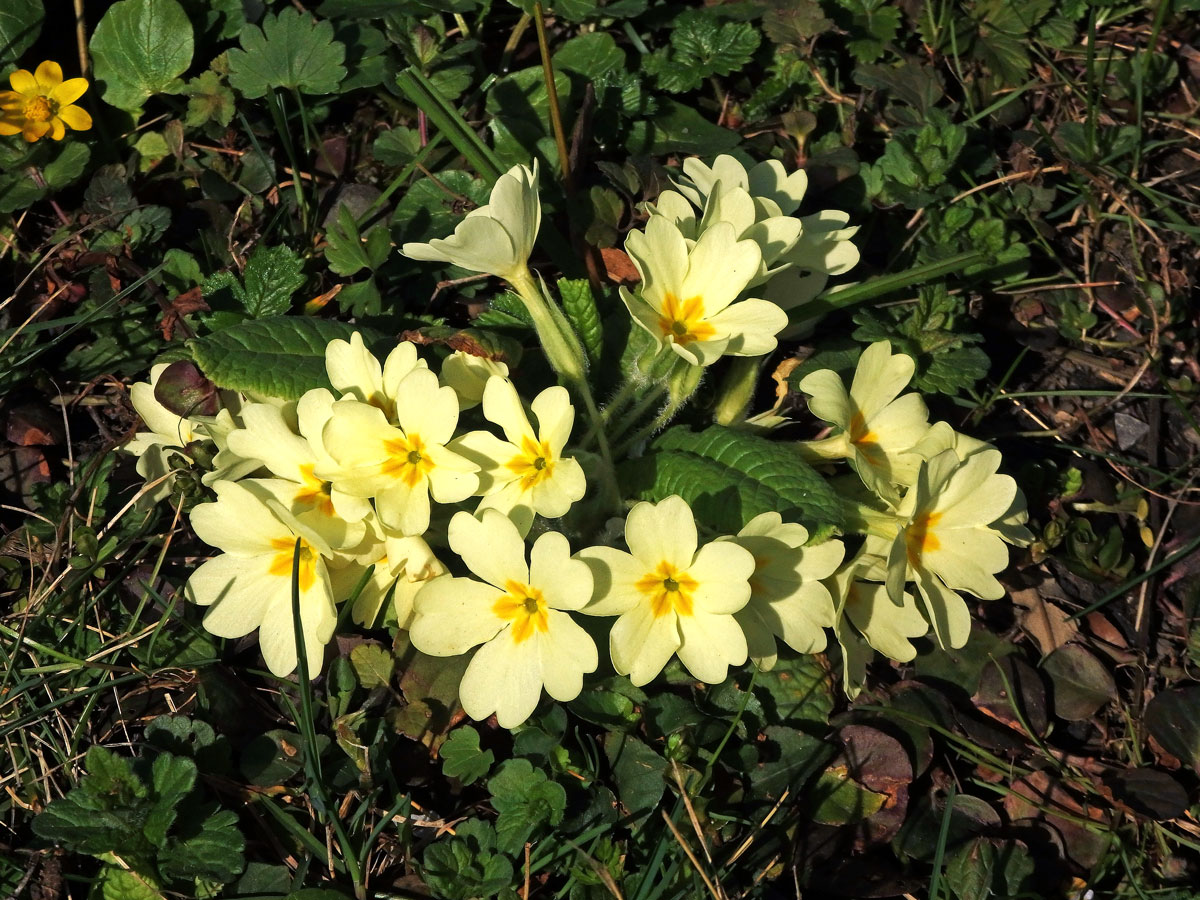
(140, 48)
(279, 357)
(290, 50)
(20, 25)
(730, 476)
(580, 307)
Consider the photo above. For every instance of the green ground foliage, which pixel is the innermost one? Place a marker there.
(1026, 182)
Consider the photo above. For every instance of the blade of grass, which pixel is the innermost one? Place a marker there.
(422, 94)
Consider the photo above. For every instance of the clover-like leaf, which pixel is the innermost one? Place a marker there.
(462, 758)
(290, 50)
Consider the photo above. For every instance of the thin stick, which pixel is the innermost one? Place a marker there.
(560, 136)
(81, 38)
(717, 895)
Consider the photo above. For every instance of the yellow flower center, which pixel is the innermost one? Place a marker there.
(314, 492)
(281, 562)
(683, 320)
(407, 459)
(525, 607)
(533, 465)
(668, 589)
(39, 109)
(920, 537)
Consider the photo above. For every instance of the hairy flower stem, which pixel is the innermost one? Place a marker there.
(565, 355)
(737, 390)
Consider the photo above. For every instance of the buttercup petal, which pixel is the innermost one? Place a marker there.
(48, 76)
(23, 82)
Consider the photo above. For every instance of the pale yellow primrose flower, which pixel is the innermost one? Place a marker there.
(169, 432)
(867, 620)
(518, 612)
(266, 436)
(468, 375)
(403, 565)
(787, 597)
(400, 465)
(670, 597)
(824, 243)
(774, 235)
(686, 299)
(354, 371)
(877, 429)
(526, 473)
(946, 542)
(941, 437)
(250, 585)
(496, 238)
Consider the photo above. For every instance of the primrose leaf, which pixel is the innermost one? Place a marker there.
(729, 476)
(139, 49)
(279, 357)
(525, 799)
(580, 307)
(290, 50)
(173, 778)
(462, 758)
(20, 25)
(638, 771)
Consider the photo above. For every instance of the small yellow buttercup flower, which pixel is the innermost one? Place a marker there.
(41, 103)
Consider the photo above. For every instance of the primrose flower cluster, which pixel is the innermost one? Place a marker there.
(930, 502)
(353, 489)
(426, 488)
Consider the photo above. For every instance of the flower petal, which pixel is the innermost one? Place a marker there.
(48, 76)
(566, 583)
(404, 508)
(719, 267)
(946, 611)
(723, 570)
(614, 574)
(68, 92)
(879, 378)
(426, 408)
(399, 363)
(502, 406)
(555, 417)
(553, 496)
(503, 677)
(661, 256)
(239, 522)
(453, 615)
(711, 644)
(662, 532)
(479, 243)
(277, 634)
(23, 82)
(75, 117)
(751, 326)
(490, 546)
(567, 652)
(641, 643)
(827, 397)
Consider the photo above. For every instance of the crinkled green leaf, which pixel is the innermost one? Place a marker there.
(729, 476)
(211, 852)
(290, 50)
(591, 55)
(466, 866)
(526, 800)
(277, 357)
(117, 883)
(209, 100)
(462, 758)
(580, 307)
(701, 46)
(272, 276)
(139, 49)
(173, 778)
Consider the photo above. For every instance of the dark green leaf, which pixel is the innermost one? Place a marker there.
(20, 24)
(139, 49)
(290, 50)
(580, 307)
(278, 357)
(730, 476)
(462, 758)
(638, 771)
(526, 800)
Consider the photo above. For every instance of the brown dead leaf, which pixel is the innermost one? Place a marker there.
(1048, 624)
(184, 304)
(618, 267)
